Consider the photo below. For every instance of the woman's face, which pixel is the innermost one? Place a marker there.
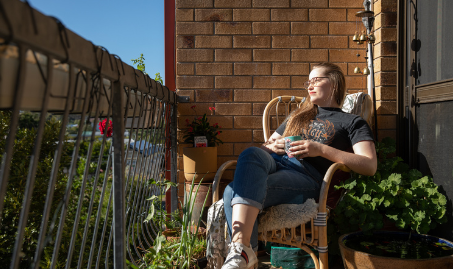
(320, 89)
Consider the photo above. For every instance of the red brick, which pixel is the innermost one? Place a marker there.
(233, 55)
(184, 69)
(251, 41)
(274, 55)
(309, 55)
(386, 34)
(309, 28)
(342, 55)
(385, 64)
(233, 82)
(186, 110)
(225, 122)
(271, 28)
(309, 3)
(290, 69)
(320, 42)
(346, 3)
(289, 14)
(385, 6)
(385, 49)
(213, 14)
(385, 78)
(189, 93)
(233, 109)
(240, 147)
(233, 28)
(386, 121)
(251, 15)
(386, 107)
(216, 95)
(214, 42)
(271, 82)
(225, 149)
(194, 55)
(248, 122)
(356, 82)
(385, 20)
(258, 108)
(185, 42)
(194, 28)
(184, 14)
(214, 69)
(252, 68)
(352, 16)
(252, 95)
(343, 28)
(270, 3)
(194, 3)
(232, 3)
(327, 15)
(191, 82)
(290, 42)
(386, 133)
(236, 136)
(297, 82)
(386, 93)
(300, 92)
(258, 136)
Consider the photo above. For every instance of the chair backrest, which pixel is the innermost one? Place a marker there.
(357, 103)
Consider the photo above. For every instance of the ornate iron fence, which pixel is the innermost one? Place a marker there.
(82, 135)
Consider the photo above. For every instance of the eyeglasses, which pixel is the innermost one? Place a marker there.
(313, 81)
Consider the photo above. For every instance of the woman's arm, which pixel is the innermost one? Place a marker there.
(275, 144)
(362, 161)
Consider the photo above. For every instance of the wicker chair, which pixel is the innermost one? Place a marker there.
(313, 233)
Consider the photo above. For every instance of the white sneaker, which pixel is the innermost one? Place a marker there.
(240, 257)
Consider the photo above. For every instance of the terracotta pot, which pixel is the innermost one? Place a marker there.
(357, 259)
(199, 200)
(200, 163)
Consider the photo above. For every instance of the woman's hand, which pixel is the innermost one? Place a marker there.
(305, 148)
(275, 144)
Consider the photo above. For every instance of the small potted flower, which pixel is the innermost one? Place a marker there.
(200, 160)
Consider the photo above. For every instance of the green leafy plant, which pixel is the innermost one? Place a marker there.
(200, 126)
(181, 252)
(401, 195)
(157, 213)
(140, 62)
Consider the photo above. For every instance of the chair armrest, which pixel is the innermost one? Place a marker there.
(218, 177)
(326, 184)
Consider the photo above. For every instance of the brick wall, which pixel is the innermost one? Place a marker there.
(236, 55)
(385, 50)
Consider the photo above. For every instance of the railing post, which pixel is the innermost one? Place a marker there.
(174, 147)
(119, 195)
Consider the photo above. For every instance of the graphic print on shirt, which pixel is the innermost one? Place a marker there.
(319, 131)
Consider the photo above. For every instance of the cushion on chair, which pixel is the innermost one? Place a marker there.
(287, 216)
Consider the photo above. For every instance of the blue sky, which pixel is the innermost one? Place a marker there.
(124, 27)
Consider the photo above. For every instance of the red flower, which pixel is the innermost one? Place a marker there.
(215, 124)
(211, 108)
(199, 118)
(193, 107)
(190, 129)
(218, 132)
(102, 126)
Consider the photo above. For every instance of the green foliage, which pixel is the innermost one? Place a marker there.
(140, 62)
(157, 213)
(402, 195)
(181, 252)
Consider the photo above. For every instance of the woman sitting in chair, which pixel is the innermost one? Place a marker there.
(270, 176)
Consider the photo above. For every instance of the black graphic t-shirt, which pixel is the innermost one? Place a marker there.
(335, 128)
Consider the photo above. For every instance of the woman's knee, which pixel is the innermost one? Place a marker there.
(252, 153)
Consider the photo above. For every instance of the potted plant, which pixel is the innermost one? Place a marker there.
(395, 195)
(200, 161)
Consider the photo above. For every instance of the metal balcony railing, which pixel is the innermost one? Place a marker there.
(81, 136)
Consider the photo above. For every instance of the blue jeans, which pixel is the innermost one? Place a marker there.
(263, 180)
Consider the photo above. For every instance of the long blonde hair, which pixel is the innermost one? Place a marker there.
(301, 117)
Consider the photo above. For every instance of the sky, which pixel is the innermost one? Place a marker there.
(126, 28)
